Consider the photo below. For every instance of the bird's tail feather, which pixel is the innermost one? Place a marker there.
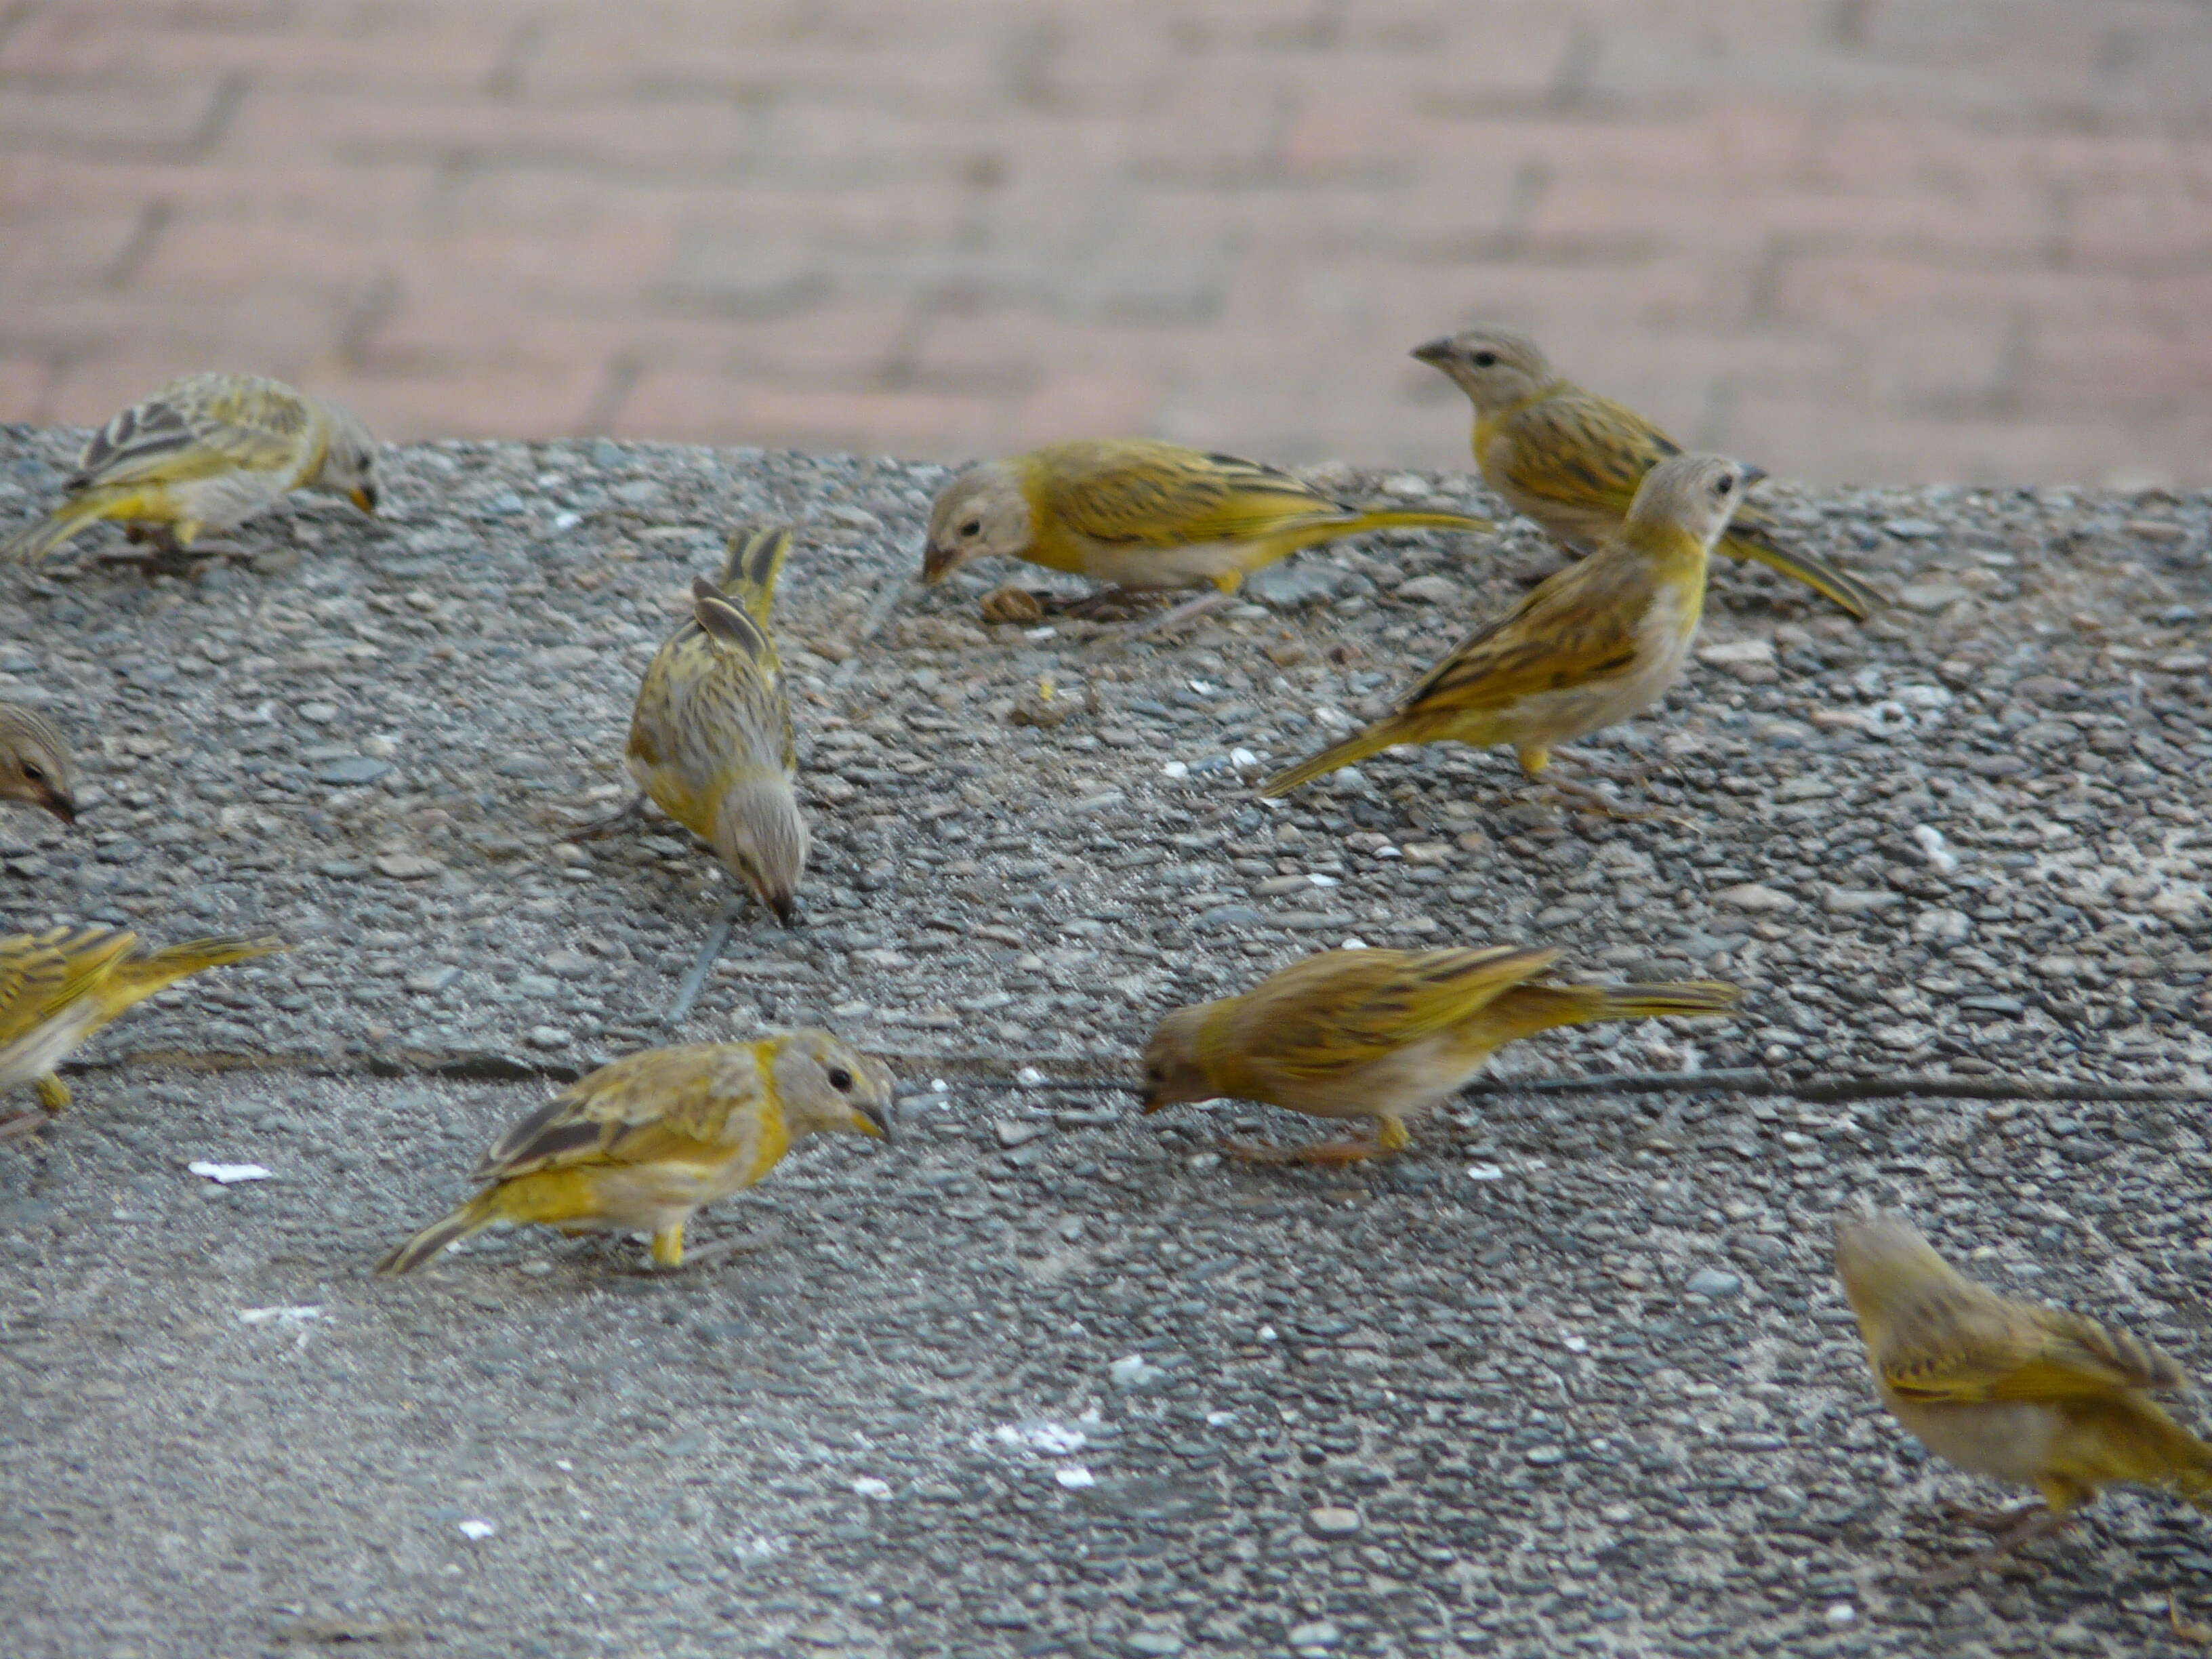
(142, 976)
(1356, 747)
(756, 559)
(1328, 526)
(1861, 598)
(1532, 1008)
(33, 542)
(473, 1217)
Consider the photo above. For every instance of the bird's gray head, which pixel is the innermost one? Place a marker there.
(760, 835)
(979, 513)
(1698, 494)
(349, 466)
(824, 1084)
(1495, 367)
(36, 766)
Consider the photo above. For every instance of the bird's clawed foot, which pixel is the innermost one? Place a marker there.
(2034, 1522)
(165, 555)
(1332, 1154)
(628, 813)
(1173, 616)
(1580, 797)
(21, 1125)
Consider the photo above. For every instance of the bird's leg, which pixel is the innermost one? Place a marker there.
(668, 1247)
(2037, 1521)
(718, 939)
(629, 812)
(23, 1123)
(167, 555)
(54, 1093)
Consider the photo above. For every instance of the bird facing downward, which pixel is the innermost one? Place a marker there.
(36, 766)
(1381, 1034)
(2026, 1393)
(642, 1144)
(1596, 643)
(58, 988)
(1571, 460)
(206, 451)
(711, 740)
(1140, 513)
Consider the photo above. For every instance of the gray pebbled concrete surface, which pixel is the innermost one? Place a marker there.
(1039, 1377)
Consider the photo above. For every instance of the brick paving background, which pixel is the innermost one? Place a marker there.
(1899, 239)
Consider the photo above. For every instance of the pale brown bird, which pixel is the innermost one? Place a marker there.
(206, 451)
(58, 988)
(1142, 514)
(1589, 646)
(1572, 460)
(1381, 1034)
(2026, 1393)
(36, 766)
(711, 740)
(641, 1145)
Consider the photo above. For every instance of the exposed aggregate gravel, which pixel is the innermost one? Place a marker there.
(1039, 1377)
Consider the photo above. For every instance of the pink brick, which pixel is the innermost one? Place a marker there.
(1086, 405)
(695, 408)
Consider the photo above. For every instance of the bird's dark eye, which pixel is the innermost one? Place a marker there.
(1725, 486)
(1484, 360)
(34, 773)
(840, 1078)
(1155, 1074)
(973, 527)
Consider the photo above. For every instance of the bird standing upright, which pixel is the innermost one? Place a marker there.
(1572, 460)
(36, 765)
(1592, 644)
(642, 1144)
(58, 988)
(2026, 1393)
(1381, 1034)
(206, 451)
(1141, 515)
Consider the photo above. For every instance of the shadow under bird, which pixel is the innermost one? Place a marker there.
(206, 451)
(1590, 645)
(641, 1145)
(36, 765)
(1572, 460)
(1382, 1035)
(1142, 514)
(58, 988)
(2029, 1394)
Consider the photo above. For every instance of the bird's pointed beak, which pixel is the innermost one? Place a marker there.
(786, 908)
(939, 563)
(364, 498)
(874, 1120)
(1153, 1103)
(1432, 352)
(1752, 475)
(59, 804)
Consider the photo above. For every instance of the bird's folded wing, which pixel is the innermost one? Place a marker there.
(665, 1102)
(1346, 1009)
(1155, 503)
(1578, 446)
(40, 973)
(197, 428)
(2078, 1356)
(1578, 627)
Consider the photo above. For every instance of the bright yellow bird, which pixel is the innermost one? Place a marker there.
(1571, 460)
(58, 988)
(1593, 644)
(641, 1145)
(1140, 513)
(1381, 1034)
(207, 452)
(2022, 1393)
(36, 765)
(711, 739)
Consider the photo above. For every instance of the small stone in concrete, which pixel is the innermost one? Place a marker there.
(1332, 1521)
